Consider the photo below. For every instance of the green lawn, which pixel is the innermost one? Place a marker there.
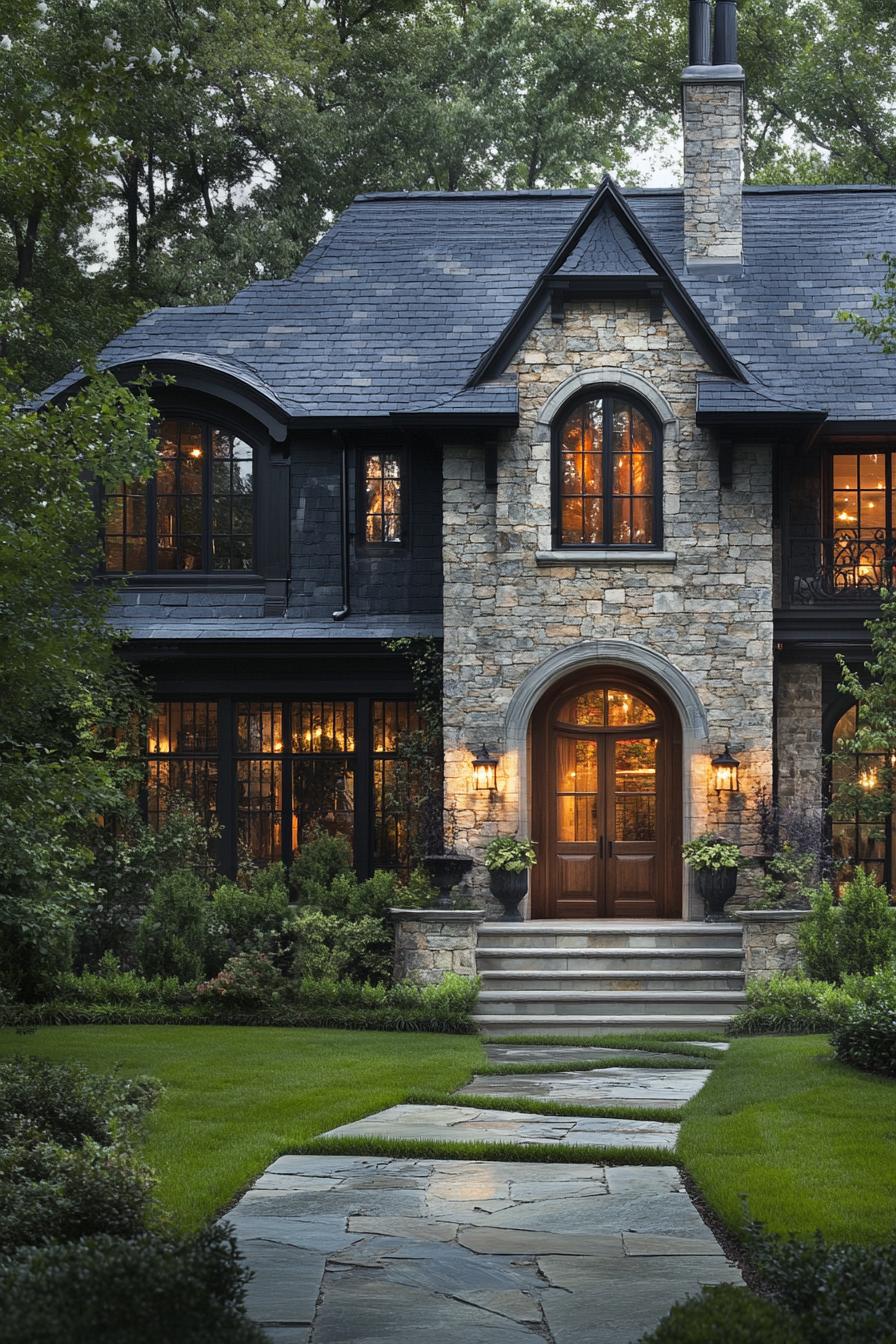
(237, 1097)
(810, 1142)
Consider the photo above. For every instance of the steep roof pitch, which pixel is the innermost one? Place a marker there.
(396, 307)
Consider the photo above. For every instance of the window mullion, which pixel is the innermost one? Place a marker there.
(607, 470)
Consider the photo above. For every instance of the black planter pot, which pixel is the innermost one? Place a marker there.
(444, 872)
(716, 886)
(509, 889)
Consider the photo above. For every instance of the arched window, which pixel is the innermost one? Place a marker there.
(606, 475)
(860, 837)
(197, 513)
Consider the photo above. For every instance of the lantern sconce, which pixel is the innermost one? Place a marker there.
(485, 770)
(725, 769)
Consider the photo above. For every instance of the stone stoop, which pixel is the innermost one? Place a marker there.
(544, 977)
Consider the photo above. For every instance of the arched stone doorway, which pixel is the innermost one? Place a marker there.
(606, 800)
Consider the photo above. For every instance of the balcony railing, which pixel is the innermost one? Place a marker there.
(843, 568)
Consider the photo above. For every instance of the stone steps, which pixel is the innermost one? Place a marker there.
(622, 978)
(581, 978)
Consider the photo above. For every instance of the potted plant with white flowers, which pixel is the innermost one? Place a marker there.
(715, 861)
(508, 859)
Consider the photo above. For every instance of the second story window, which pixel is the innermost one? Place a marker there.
(196, 514)
(606, 475)
(863, 518)
(382, 498)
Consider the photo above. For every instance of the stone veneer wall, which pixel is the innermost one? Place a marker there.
(799, 744)
(709, 612)
(770, 941)
(429, 943)
(713, 112)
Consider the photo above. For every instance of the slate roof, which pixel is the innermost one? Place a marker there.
(393, 310)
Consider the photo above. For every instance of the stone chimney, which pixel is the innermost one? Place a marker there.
(712, 97)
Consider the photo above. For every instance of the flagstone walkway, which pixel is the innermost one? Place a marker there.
(379, 1250)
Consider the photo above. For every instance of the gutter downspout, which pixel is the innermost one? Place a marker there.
(345, 609)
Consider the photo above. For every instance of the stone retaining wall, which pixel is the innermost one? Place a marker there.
(429, 943)
(770, 941)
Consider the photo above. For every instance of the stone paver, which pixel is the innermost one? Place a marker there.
(461, 1124)
(355, 1250)
(556, 1054)
(600, 1087)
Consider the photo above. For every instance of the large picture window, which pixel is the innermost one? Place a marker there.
(196, 514)
(270, 770)
(606, 474)
(856, 840)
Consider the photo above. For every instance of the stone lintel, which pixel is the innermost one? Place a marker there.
(605, 557)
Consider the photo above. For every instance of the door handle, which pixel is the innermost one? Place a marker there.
(610, 845)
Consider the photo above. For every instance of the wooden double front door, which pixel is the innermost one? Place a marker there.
(606, 798)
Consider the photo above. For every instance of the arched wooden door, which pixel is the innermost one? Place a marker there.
(606, 802)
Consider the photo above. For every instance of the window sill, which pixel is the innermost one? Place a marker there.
(605, 558)
(197, 581)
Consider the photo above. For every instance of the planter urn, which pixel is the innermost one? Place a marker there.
(509, 889)
(716, 886)
(445, 871)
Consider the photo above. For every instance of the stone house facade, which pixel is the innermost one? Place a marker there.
(614, 450)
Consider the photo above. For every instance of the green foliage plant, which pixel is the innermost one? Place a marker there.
(66, 1104)
(711, 852)
(510, 854)
(173, 933)
(855, 937)
(248, 980)
(333, 947)
(786, 879)
(866, 1037)
(322, 858)
(238, 917)
(791, 1004)
(728, 1312)
(110, 984)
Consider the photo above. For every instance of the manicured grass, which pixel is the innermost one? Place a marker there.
(809, 1142)
(237, 1097)
(539, 1106)
(673, 1042)
(482, 1151)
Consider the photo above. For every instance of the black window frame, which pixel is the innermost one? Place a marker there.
(835, 712)
(379, 450)
(361, 763)
(610, 395)
(209, 422)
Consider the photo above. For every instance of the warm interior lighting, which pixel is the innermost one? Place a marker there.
(725, 771)
(868, 779)
(485, 770)
(196, 452)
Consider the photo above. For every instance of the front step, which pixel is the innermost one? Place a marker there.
(587, 977)
(495, 1024)
(622, 978)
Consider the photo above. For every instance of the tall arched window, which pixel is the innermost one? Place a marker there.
(607, 474)
(860, 838)
(197, 513)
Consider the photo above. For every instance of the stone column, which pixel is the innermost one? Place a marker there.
(429, 943)
(770, 941)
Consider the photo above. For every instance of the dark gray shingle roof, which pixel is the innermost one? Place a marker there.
(395, 307)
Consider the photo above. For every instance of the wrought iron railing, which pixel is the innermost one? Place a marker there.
(840, 568)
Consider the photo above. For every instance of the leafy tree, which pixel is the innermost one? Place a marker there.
(63, 691)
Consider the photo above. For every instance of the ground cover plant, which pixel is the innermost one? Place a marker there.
(797, 1138)
(235, 1098)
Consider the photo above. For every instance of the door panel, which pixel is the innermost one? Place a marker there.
(606, 798)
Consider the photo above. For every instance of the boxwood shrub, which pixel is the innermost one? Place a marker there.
(867, 1036)
(726, 1313)
(68, 1105)
(149, 1289)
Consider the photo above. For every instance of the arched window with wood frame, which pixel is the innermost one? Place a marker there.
(863, 824)
(607, 473)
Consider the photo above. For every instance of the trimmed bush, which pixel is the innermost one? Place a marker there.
(150, 1289)
(238, 918)
(838, 1292)
(172, 936)
(67, 1105)
(50, 1193)
(333, 948)
(866, 1039)
(791, 1003)
(729, 1313)
(855, 937)
(322, 858)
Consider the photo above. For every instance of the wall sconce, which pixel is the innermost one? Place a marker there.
(725, 768)
(485, 770)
